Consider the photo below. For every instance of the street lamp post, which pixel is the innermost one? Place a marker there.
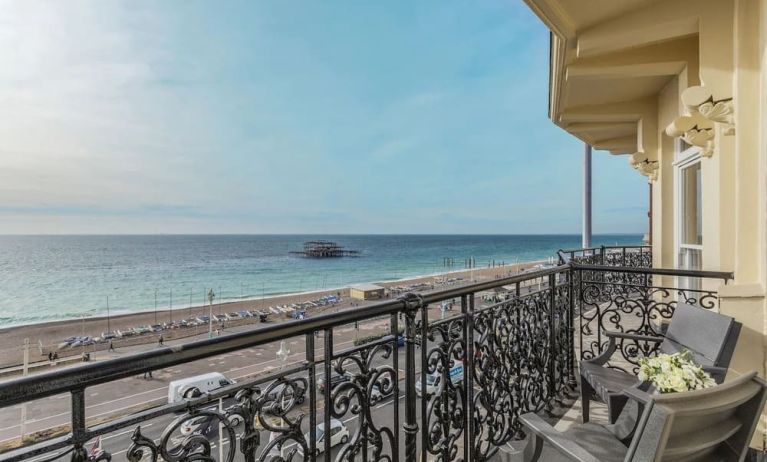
(211, 296)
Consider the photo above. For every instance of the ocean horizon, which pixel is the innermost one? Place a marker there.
(57, 277)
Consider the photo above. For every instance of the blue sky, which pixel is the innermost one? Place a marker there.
(290, 117)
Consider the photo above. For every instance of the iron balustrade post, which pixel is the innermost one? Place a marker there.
(552, 343)
(79, 453)
(517, 289)
(395, 363)
(580, 308)
(424, 342)
(328, 405)
(312, 396)
(467, 310)
(572, 383)
(412, 303)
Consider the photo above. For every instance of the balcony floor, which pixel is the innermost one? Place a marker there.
(562, 421)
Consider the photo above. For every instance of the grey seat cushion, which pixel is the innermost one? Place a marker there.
(605, 380)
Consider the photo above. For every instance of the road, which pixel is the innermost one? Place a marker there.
(382, 413)
(106, 401)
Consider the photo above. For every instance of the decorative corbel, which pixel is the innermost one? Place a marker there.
(646, 167)
(698, 128)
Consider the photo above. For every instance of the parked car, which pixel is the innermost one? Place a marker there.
(379, 392)
(433, 380)
(335, 379)
(338, 434)
(281, 398)
(205, 425)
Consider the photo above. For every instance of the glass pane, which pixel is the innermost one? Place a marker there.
(692, 225)
(690, 259)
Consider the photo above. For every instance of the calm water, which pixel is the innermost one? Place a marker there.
(45, 278)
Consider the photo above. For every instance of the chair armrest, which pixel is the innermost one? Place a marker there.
(638, 337)
(638, 395)
(717, 373)
(542, 431)
(605, 356)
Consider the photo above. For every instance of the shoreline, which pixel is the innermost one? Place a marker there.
(330, 290)
(44, 336)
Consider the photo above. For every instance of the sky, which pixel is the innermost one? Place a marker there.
(290, 117)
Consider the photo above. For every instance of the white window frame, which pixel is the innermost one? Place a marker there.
(683, 159)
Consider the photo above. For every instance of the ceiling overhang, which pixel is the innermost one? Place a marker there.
(609, 62)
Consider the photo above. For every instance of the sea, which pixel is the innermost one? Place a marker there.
(48, 278)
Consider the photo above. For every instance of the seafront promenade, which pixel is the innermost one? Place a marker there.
(45, 337)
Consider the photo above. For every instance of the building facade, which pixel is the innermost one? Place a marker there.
(679, 87)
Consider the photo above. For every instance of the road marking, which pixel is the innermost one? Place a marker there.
(151, 391)
(126, 432)
(389, 402)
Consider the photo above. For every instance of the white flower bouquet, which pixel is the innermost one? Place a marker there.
(674, 373)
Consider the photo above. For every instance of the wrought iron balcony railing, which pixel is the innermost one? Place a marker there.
(437, 385)
(638, 256)
(634, 300)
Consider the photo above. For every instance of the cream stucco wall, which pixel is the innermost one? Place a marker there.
(733, 178)
(652, 40)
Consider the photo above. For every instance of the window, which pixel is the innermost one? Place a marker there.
(689, 214)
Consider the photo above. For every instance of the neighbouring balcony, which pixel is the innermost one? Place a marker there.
(426, 383)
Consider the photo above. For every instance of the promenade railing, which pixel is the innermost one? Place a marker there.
(447, 385)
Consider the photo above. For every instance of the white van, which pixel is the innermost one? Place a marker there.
(193, 387)
(433, 380)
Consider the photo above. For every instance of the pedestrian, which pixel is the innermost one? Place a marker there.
(50, 356)
(111, 346)
(161, 340)
(55, 355)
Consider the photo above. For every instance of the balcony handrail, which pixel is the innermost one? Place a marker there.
(579, 249)
(642, 246)
(725, 275)
(65, 380)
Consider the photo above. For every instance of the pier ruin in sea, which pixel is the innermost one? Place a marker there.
(325, 249)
